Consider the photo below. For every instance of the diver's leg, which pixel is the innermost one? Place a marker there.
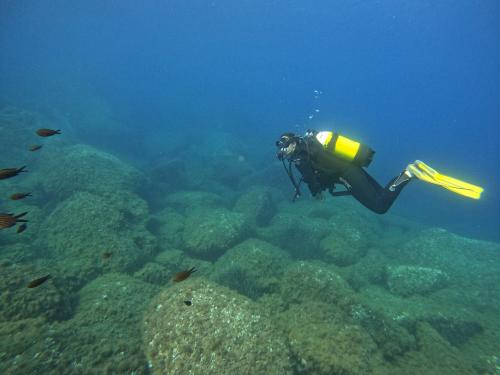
(368, 192)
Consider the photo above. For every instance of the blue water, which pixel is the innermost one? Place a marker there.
(411, 79)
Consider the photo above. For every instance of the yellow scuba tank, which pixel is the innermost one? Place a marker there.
(346, 148)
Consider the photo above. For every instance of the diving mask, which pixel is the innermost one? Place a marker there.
(287, 144)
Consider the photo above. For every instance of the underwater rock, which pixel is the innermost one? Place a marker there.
(324, 342)
(344, 246)
(349, 214)
(409, 280)
(173, 259)
(186, 202)
(298, 235)
(209, 233)
(368, 271)
(18, 302)
(84, 227)
(456, 329)
(436, 355)
(75, 168)
(303, 282)
(163, 173)
(19, 252)
(392, 338)
(213, 163)
(220, 333)
(257, 204)
(454, 321)
(27, 346)
(109, 313)
(253, 267)
(153, 273)
(461, 258)
(168, 263)
(229, 169)
(168, 226)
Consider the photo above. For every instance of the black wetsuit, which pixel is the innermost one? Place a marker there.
(321, 170)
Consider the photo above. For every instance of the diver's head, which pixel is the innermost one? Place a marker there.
(287, 145)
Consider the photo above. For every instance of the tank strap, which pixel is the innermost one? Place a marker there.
(330, 147)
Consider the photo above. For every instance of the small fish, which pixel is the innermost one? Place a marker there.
(18, 196)
(188, 302)
(21, 228)
(43, 132)
(36, 147)
(107, 255)
(181, 276)
(38, 282)
(9, 220)
(11, 172)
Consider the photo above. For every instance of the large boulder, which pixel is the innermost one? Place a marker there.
(408, 280)
(253, 267)
(324, 342)
(257, 204)
(169, 262)
(186, 202)
(17, 302)
(219, 332)
(298, 235)
(344, 247)
(104, 336)
(168, 226)
(86, 227)
(209, 233)
(84, 168)
(433, 248)
(305, 282)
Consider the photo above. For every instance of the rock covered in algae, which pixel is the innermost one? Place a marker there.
(19, 302)
(435, 247)
(253, 267)
(104, 336)
(188, 201)
(168, 226)
(303, 282)
(209, 233)
(168, 263)
(297, 234)
(325, 342)
(344, 247)
(84, 168)
(85, 226)
(257, 204)
(409, 280)
(220, 333)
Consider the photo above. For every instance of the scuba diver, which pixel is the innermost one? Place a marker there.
(325, 159)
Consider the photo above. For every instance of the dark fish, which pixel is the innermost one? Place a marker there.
(35, 147)
(38, 282)
(181, 276)
(10, 172)
(21, 228)
(107, 255)
(188, 302)
(18, 196)
(9, 220)
(43, 132)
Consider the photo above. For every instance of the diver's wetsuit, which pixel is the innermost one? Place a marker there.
(322, 170)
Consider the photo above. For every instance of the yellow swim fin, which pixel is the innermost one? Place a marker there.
(425, 173)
